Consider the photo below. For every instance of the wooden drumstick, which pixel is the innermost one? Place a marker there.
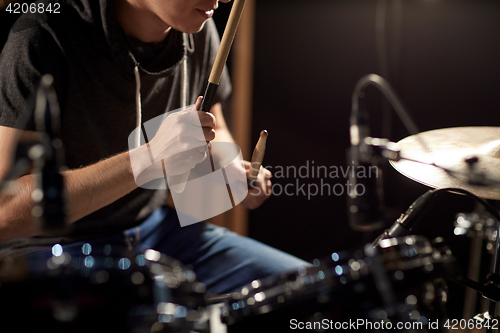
(214, 80)
(222, 53)
(258, 156)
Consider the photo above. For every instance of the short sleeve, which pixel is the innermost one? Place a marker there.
(30, 52)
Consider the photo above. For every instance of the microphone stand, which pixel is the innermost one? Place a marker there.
(366, 214)
(48, 158)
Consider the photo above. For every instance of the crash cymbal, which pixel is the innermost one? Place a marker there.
(445, 158)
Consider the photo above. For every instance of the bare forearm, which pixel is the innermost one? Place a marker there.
(87, 190)
(96, 186)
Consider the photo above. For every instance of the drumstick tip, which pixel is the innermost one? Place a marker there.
(264, 134)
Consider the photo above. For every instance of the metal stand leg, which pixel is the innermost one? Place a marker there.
(473, 274)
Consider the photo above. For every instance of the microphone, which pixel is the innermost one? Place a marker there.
(407, 221)
(365, 207)
(49, 195)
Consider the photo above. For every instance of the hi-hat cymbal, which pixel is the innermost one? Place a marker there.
(450, 149)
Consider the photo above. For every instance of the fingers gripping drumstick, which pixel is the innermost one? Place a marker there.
(258, 156)
(220, 59)
(214, 80)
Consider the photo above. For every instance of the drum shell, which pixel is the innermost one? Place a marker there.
(346, 286)
(96, 293)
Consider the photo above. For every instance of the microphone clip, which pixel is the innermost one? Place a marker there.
(378, 148)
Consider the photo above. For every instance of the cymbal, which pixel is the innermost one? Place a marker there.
(449, 149)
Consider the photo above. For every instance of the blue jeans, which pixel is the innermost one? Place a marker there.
(223, 260)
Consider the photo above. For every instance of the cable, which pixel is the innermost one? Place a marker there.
(405, 224)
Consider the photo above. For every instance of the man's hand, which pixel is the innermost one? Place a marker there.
(180, 141)
(207, 121)
(178, 146)
(259, 190)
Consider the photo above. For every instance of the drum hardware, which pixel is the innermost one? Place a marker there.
(43, 152)
(485, 227)
(465, 158)
(402, 280)
(98, 290)
(482, 317)
(489, 291)
(49, 208)
(477, 225)
(216, 299)
(407, 221)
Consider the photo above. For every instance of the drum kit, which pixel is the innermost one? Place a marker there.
(397, 282)
(80, 292)
(399, 279)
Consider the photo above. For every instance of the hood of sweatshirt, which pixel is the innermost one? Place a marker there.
(99, 17)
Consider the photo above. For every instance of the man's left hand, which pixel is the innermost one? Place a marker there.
(259, 190)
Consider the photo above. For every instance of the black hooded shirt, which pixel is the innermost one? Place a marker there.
(92, 61)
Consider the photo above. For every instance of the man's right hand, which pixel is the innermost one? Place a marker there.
(178, 146)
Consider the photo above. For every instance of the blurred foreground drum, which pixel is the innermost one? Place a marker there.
(397, 287)
(97, 291)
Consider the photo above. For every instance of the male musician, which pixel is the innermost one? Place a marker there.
(113, 62)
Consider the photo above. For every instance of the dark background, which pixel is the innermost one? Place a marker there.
(443, 59)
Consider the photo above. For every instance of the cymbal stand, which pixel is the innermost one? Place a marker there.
(478, 226)
(494, 279)
(482, 226)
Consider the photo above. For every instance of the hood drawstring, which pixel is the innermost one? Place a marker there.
(138, 106)
(188, 45)
(187, 41)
